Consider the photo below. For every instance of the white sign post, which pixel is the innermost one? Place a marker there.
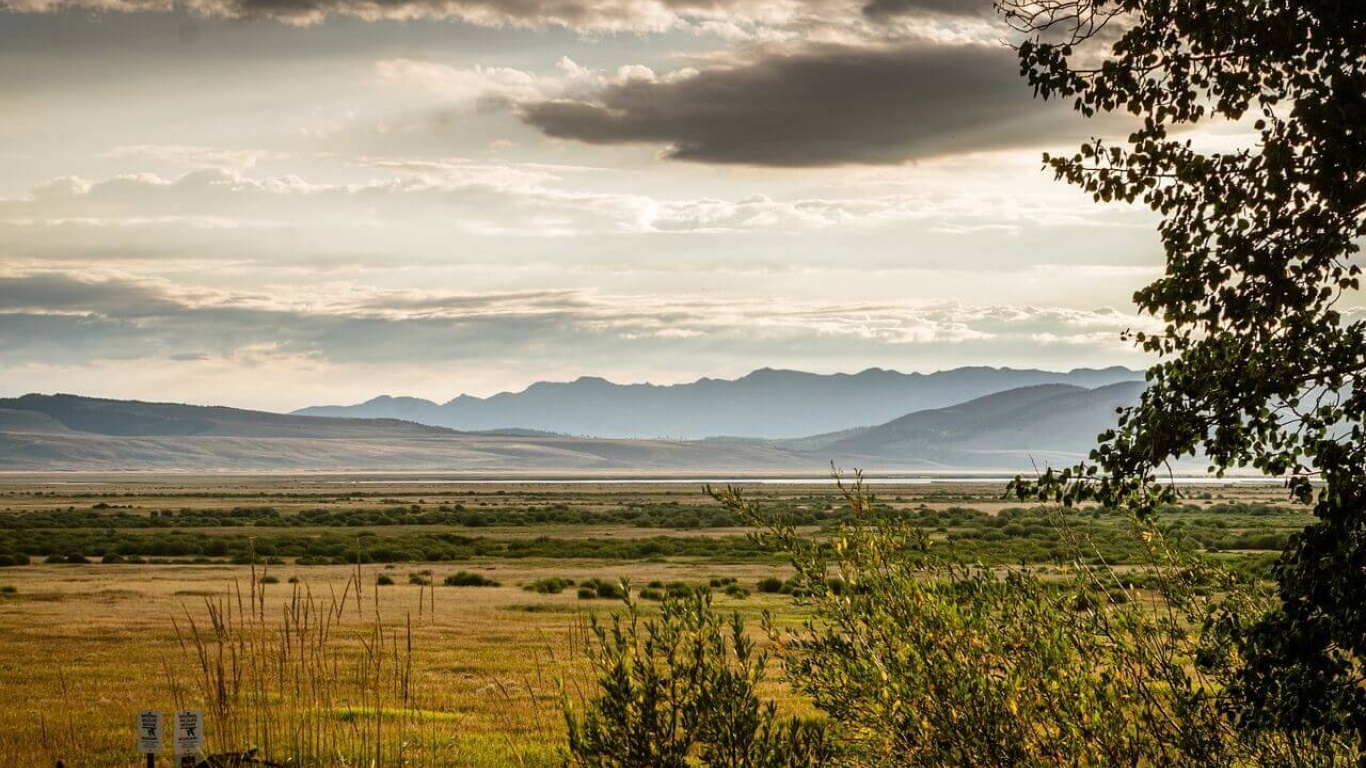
(150, 734)
(188, 735)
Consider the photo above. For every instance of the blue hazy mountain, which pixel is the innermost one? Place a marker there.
(767, 403)
(1004, 431)
(1048, 423)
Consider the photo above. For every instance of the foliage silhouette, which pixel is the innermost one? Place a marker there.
(1259, 364)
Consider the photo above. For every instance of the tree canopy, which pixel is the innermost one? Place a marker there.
(1262, 341)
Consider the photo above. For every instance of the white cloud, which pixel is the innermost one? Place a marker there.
(195, 156)
(485, 198)
(481, 87)
(312, 319)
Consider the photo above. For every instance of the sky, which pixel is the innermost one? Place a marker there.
(281, 203)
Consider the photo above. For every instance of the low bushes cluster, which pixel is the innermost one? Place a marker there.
(595, 588)
(550, 585)
(332, 548)
(1246, 535)
(467, 579)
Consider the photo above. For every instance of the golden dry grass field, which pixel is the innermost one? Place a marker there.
(84, 647)
(386, 675)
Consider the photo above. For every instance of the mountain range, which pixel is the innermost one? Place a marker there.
(1004, 431)
(767, 403)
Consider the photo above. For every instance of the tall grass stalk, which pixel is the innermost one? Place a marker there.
(321, 682)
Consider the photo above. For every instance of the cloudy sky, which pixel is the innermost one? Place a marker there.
(280, 203)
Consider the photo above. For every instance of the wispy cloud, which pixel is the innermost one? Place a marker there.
(194, 156)
(61, 317)
(588, 16)
(456, 194)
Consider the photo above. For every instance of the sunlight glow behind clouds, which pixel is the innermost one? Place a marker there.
(361, 206)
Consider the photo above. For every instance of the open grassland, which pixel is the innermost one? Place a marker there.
(84, 647)
(259, 598)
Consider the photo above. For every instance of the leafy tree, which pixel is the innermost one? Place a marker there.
(1260, 352)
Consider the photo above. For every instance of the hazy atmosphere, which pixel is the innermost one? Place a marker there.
(682, 383)
(283, 204)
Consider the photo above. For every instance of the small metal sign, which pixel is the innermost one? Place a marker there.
(189, 731)
(150, 732)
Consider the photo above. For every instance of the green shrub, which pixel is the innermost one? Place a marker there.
(9, 589)
(916, 659)
(769, 585)
(113, 558)
(423, 579)
(550, 585)
(682, 690)
(270, 579)
(384, 580)
(609, 590)
(601, 588)
(467, 579)
(682, 589)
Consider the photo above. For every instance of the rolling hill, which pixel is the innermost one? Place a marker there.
(1006, 431)
(132, 418)
(68, 432)
(1049, 423)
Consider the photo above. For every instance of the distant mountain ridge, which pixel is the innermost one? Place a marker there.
(768, 403)
(134, 418)
(1006, 431)
(1047, 423)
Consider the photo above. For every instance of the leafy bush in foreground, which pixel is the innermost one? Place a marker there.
(924, 661)
(918, 660)
(682, 689)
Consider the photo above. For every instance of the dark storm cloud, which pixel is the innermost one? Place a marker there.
(882, 9)
(826, 106)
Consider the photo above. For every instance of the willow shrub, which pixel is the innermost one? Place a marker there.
(915, 659)
(681, 689)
